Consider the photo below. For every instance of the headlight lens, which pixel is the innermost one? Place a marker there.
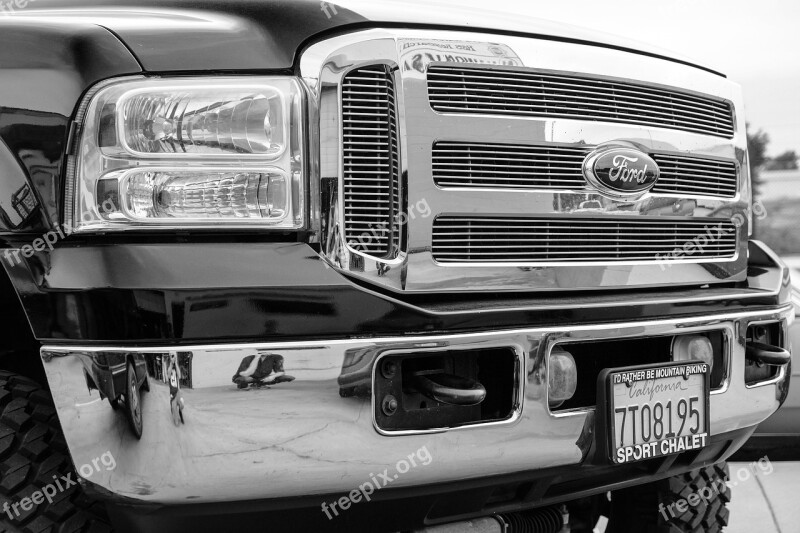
(191, 152)
(200, 121)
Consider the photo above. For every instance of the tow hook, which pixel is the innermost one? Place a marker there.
(766, 354)
(449, 389)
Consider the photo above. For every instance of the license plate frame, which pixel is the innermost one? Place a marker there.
(607, 419)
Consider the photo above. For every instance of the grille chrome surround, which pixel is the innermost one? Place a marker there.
(456, 89)
(411, 54)
(551, 167)
(536, 240)
(370, 153)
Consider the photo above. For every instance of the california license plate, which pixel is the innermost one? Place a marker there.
(654, 411)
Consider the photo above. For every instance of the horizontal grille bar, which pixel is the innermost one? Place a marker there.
(510, 166)
(501, 239)
(478, 90)
(696, 176)
(370, 159)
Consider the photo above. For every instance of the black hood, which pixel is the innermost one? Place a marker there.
(236, 35)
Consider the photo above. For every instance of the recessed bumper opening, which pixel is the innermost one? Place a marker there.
(423, 391)
(766, 353)
(593, 357)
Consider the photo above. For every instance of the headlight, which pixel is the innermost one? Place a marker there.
(190, 152)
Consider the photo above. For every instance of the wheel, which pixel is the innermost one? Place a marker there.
(133, 400)
(32, 451)
(694, 502)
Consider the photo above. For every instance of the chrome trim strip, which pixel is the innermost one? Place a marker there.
(767, 283)
(609, 330)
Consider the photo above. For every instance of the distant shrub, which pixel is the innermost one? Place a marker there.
(780, 230)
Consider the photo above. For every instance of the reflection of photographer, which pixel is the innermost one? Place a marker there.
(175, 396)
(262, 369)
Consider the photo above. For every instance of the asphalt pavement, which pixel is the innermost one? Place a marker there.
(765, 497)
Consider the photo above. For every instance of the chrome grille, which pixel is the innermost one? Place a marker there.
(456, 89)
(508, 166)
(498, 239)
(477, 160)
(370, 162)
(513, 166)
(696, 176)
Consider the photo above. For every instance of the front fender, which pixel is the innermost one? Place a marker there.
(45, 68)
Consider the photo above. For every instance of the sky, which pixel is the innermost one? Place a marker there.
(754, 42)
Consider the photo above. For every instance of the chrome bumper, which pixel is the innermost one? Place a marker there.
(303, 437)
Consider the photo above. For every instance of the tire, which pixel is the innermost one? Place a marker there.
(32, 451)
(133, 400)
(652, 507)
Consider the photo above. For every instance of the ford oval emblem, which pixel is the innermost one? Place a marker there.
(620, 172)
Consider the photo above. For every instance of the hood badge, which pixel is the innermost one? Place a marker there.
(620, 172)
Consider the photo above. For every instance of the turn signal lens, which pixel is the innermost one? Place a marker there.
(195, 195)
(693, 347)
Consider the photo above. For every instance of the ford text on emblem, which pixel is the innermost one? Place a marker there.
(620, 172)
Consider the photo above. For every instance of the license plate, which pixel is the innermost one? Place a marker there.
(654, 411)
